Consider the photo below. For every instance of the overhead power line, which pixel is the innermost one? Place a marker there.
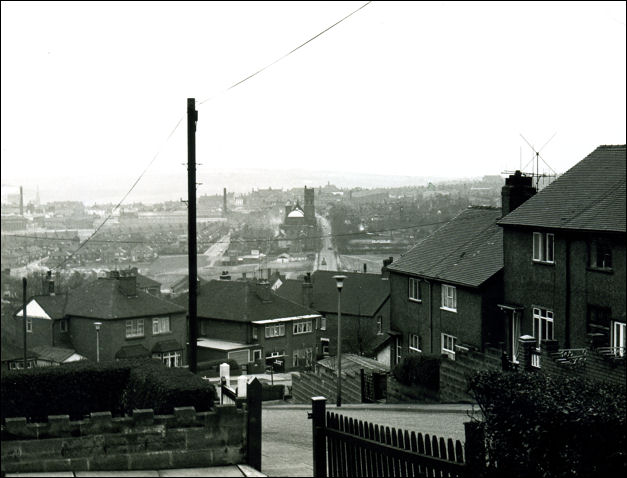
(284, 56)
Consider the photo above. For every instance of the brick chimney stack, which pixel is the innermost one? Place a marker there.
(517, 190)
(307, 290)
(21, 201)
(224, 211)
(127, 283)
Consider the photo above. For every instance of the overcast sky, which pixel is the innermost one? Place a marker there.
(91, 91)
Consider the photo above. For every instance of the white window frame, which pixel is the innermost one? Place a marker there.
(323, 323)
(161, 325)
(277, 330)
(398, 354)
(324, 346)
(63, 325)
(543, 325)
(29, 325)
(280, 353)
(544, 247)
(448, 340)
(414, 290)
(301, 327)
(134, 326)
(449, 300)
(256, 355)
(414, 343)
(618, 338)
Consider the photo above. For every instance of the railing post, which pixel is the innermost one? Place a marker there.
(318, 415)
(253, 435)
(475, 449)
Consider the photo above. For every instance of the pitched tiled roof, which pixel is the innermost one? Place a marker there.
(54, 305)
(242, 301)
(468, 250)
(589, 196)
(144, 282)
(132, 351)
(102, 299)
(10, 352)
(53, 354)
(362, 294)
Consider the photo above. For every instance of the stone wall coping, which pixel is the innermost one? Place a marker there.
(104, 422)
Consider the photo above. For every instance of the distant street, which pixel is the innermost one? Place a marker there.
(286, 439)
(327, 257)
(217, 250)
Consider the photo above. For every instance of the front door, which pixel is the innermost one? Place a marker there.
(514, 335)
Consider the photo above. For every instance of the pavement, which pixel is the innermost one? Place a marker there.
(217, 471)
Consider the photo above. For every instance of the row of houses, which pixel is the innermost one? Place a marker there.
(550, 265)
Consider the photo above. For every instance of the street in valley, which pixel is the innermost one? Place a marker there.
(327, 258)
(286, 436)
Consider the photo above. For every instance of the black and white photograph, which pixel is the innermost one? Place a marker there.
(313, 238)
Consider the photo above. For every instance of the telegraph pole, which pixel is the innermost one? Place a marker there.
(192, 118)
(24, 317)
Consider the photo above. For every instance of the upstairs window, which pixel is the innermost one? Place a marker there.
(379, 325)
(600, 255)
(449, 298)
(134, 328)
(323, 323)
(414, 289)
(160, 325)
(63, 325)
(254, 333)
(543, 247)
(302, 328)
(29, 325)
(275, 330)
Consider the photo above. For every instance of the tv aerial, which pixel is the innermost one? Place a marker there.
(534, 162)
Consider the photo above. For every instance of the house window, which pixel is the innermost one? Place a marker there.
(448, 345)
(134, 328)
(618, 338)
(302, 357)
(254, 333)
(301, 327)
(63, 325)
(275, 331)
(449, 298)
(256, 355)
(379, 325)
(324, 345)
(414, 343)
(542, 325)
(170, 359)
(600, 255)
(397, 346)
(323, 323)
(543, 246)
(275, 354)
(160, 325)
(29, 325)
(414, 289)
(599, 319)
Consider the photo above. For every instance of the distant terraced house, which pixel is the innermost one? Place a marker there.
(106, 319)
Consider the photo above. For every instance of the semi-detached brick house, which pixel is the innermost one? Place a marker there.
(445, 290)
(564, 249)
(365, 308)
(247, 322)
(134, 323)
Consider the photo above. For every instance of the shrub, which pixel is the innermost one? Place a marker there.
(546, 426)
(419, 369)
(77, 389)
(272, 392)
(153, 385)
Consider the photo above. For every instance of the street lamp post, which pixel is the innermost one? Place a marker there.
(339, 282)
(97, 325)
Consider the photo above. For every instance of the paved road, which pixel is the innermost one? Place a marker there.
(217, 250)
(327, 257)
(286, 445)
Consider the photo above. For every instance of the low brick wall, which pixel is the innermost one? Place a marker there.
(324, 383)
(144, 441)
(400, 393)
(454, 373)
(592, 366)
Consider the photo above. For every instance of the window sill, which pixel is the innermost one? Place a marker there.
(415, 300)
(135, 337)
(448, 309)
(543, 263)
(602, 270)
(415, 350)
(162, 333)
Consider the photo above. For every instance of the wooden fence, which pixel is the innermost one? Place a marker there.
(350, 447)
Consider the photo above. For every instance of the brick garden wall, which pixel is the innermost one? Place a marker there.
(144, 441)
(454, 373)
(593, 366)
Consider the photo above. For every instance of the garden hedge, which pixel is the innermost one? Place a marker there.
(419, 369)
(539, 425)
(79, 388)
